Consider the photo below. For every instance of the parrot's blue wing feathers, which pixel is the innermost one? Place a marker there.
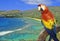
(52, 33)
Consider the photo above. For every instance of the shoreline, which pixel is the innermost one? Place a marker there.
(34, 18)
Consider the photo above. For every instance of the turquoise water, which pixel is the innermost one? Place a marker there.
(11, 23)
(31, 31)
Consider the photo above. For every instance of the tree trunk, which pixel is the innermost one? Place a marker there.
(44, 34)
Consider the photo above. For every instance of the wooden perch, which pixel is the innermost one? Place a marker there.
(44, 34)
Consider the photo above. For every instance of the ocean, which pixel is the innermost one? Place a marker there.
(19, 29)
(11, 23)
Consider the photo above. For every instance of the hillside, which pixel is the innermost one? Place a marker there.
(30, 13)
(28, 32)
(10, 14)
(35, 14)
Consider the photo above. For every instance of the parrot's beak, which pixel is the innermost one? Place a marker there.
(40, 9)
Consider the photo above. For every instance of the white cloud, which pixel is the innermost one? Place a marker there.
(47, 2)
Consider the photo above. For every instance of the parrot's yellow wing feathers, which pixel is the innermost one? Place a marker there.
(49, 24)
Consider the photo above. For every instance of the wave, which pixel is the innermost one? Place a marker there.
(8, 32)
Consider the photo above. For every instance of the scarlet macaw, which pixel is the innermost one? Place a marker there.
(48, 21)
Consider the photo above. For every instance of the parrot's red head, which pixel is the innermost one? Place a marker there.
(42, 7)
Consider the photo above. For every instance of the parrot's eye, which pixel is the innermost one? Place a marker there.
(40, 9)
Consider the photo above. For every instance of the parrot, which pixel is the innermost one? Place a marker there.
(48, 21)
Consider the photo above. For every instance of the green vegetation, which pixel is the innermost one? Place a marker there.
(30, 13)
(11, 14)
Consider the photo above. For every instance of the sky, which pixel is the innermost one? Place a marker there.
(25, 4)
